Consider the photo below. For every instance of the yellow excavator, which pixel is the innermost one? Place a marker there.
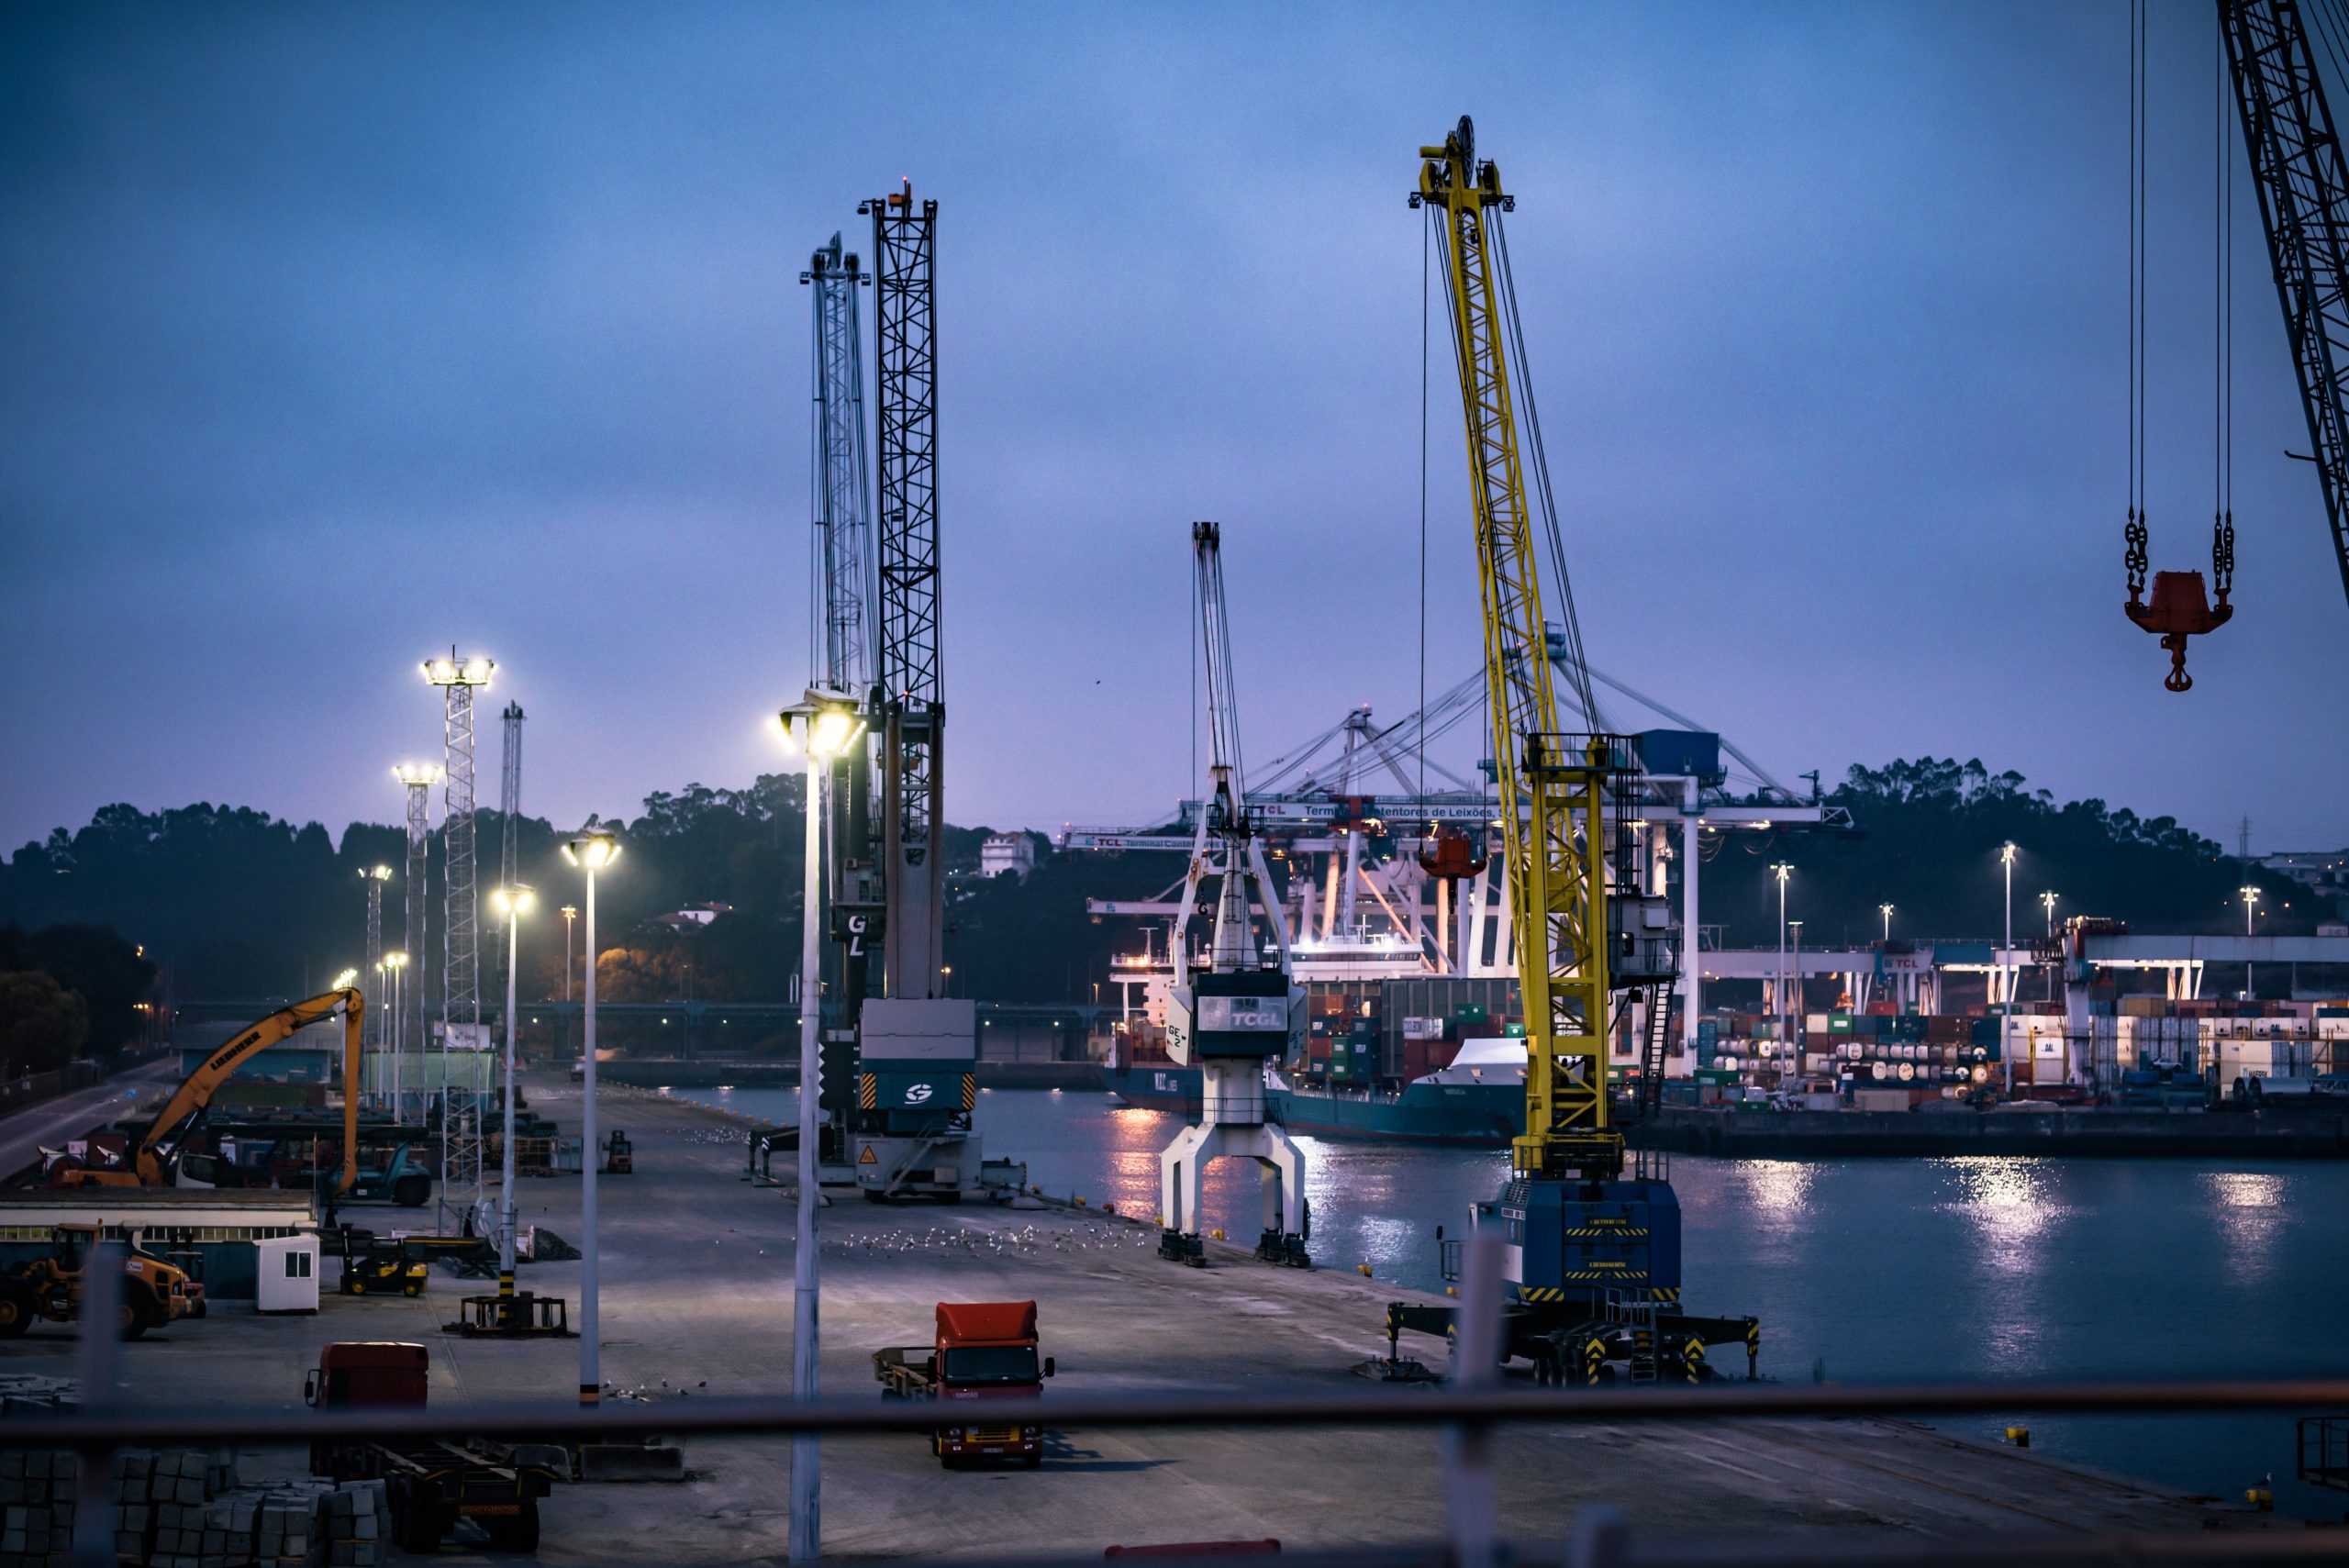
(143, 1163)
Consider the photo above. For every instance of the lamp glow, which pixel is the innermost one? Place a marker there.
(595, 850)
(515, 900)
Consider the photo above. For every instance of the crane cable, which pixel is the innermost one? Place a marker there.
(2136, 532)
(2222, 327)
(2178, 609)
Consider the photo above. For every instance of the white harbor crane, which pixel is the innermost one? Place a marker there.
(1231, 1013)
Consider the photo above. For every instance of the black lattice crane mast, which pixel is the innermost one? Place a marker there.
(911, 675)
(2298, 167)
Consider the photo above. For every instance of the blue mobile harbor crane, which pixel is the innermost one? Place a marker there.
(1592, 1253)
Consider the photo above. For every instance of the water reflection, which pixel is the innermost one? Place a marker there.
(2006, 1204)
(2250, 1210)
(1778, 1190)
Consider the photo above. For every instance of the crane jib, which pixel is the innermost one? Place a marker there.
(1553, 788)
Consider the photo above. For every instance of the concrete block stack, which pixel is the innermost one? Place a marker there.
(188, 1510)
(164, 1515)
(28, 1394)
(356, 1519)
(36, 1508)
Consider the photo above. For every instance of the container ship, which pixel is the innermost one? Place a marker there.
(1476, 1101)
(1390, 1052)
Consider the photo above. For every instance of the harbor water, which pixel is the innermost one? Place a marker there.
(1863, 1271)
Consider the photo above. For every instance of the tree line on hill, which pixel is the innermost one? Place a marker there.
(69, 992)
(235, 903)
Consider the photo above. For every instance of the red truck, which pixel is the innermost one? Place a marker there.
(986, 1352)
(428, 1485)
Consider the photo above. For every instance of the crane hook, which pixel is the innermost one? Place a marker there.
(2180, 606)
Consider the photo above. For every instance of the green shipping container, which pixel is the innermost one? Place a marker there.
(1839, 1023)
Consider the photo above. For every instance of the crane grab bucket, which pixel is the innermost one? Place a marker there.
(2181, 608)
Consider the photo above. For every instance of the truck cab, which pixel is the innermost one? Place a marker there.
(982, 1352)
(368, 1374)
(428, 1484)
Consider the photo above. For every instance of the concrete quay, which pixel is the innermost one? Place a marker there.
(697, 1303)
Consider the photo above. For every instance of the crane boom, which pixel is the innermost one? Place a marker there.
(1551, 785)
(177, 1115)
(911, 675)
(842, 481)
(2298, 166)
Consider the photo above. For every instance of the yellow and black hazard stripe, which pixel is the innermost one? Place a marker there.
(1753, 1334)
(868, 1089)
(1594, 1357)
(1692, 1359)
(1667, 1293)
(1607, 1231)
(1540, 1293)
(970, 1090)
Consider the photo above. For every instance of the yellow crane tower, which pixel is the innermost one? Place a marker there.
(1593, 1256)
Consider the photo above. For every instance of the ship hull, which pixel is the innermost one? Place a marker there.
(1465, 1115)
(1162, 1087)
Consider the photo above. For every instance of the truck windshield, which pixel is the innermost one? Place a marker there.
(969, 1364)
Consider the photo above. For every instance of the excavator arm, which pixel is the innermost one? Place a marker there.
(189, 1101)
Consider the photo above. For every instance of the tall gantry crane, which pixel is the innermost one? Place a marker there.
(841, 507)
(915, 1052)
(1229, 1015)
(1594, 1255)
(2298, 167)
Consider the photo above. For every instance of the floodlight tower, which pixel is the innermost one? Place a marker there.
(458, 678)
(418, 778)
(459, 927)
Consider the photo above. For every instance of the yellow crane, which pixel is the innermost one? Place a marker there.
(1552, 785)
(143, 1163)
(1593, 1267)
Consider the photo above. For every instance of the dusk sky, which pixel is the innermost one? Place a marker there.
(330, 336)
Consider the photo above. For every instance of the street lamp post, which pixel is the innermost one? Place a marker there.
(397, 963)
(2250, 899)
(2006, 973)
(1782, 869)
(569, 915)
(1793, 938)
(509, 902)
(823, 725)
(592, 851)
(1886, 910)
(2047, 901)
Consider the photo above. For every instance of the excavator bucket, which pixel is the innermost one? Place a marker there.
(2181, 608)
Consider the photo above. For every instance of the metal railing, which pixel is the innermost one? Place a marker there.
(1467, 1408)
